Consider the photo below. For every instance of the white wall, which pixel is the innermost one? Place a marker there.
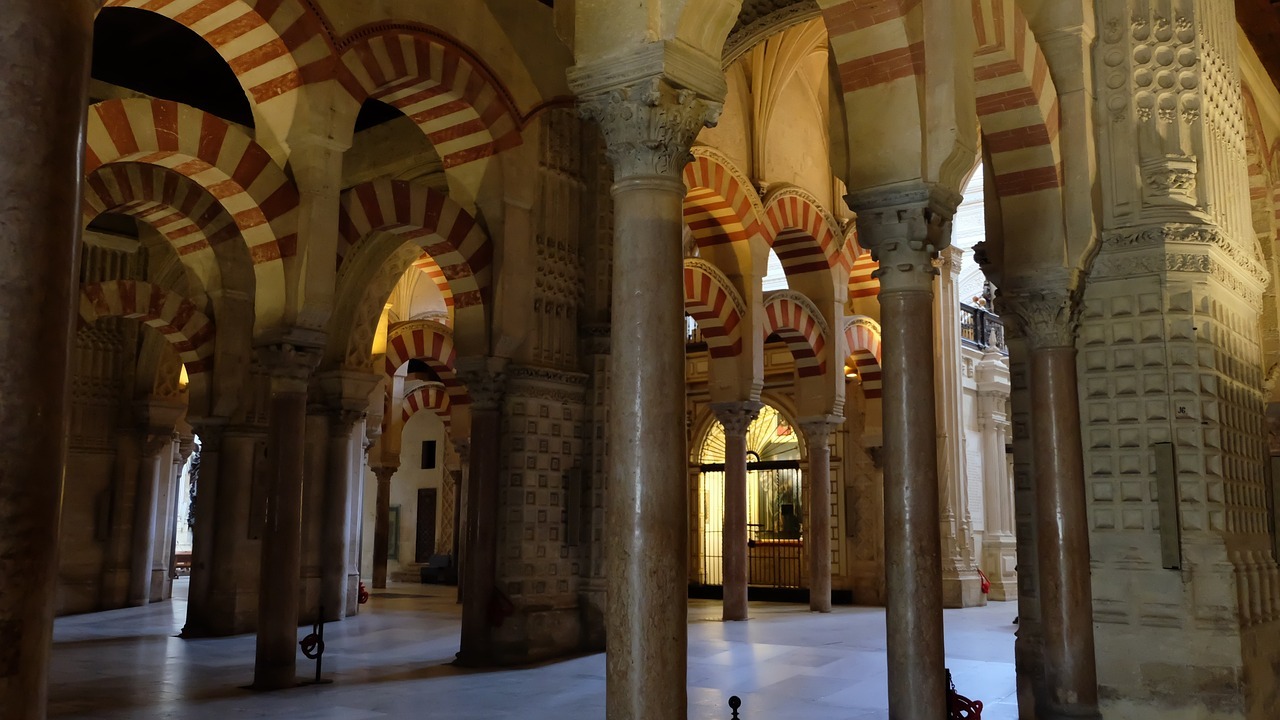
(404, 491)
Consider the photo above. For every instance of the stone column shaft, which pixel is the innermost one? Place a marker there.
(275, 663)
(205, 513)
(381, 526)
(736, 418)
(1049, 321)
(904, 227)
(337, 514)
(817, 433)
(151, 473)
(45, 49)
(232, 585)
(480, 566)
(648, 127)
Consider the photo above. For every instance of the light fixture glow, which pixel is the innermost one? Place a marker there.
(183, 379)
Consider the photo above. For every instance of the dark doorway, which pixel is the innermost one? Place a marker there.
(426, 545)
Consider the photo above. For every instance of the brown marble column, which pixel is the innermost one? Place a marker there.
(275, 663)
(44, 48)
(382, 525)
(1049, 321)
(463, 448)
(735, 417)
(649, 127)
(905, 227)
(152, 471)
(233, 577)
(337, 512)
(480, 566)
(817, 539)
(205, 513)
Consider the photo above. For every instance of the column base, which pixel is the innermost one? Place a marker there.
(270, 678)
(1069, 713)
(353, 594)
(962, 590)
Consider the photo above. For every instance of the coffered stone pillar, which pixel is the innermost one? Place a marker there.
(382, 524)
(649, 124)
(486, 382)
(44, 48)
(202, 534)
(961, 584)
(904, 226)
(1049, 320)
(290, 367)
(817, 436)
(735, 417)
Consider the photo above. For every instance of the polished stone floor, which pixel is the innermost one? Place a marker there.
(391, 661)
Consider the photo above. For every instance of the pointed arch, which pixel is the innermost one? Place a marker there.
(261, 43)
(791, 316)
(431, 396)
(862, 338)
(805, 236)
(189, 331)
(462, 108)
(711, 300)
(431, 343)
(224, 161)
(1017, 101)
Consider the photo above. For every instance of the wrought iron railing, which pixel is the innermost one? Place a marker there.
(981, 329)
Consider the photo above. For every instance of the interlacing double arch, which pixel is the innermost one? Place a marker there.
(432, 343)
(431, 396)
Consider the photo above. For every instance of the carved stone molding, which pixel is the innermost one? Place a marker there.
(760, 19)
(289, 366)
(486, 382)
(904, 226)
(1046, 318)
(1194, 235)
(817, 430)
(649, 126)
(595, 339)
(547, 384)
(736, 416)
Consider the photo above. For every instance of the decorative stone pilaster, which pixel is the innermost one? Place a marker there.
(648, 125)
(736, 418)
(817, 435)
(999, 546)
(289, 367)
(904, 226)
(1047, 319)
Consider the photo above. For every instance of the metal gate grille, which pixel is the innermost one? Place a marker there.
(775, 525)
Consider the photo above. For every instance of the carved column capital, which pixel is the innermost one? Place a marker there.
(289, 365)
(649, 125)
(384, 474)
(462, 446)
(1044, 318)
(486, 382)
(343, 421)
(817, 429)
(904, 226)
(736, 416)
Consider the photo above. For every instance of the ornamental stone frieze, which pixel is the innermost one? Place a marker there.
(904, 226)
(1182, 248)
(546, 383)
(649, 125)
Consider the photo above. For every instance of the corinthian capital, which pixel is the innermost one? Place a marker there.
(649, 125)
(904, 226)
(1045, 318)
(736, 417)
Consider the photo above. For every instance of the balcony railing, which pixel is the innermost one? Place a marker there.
(981, 329)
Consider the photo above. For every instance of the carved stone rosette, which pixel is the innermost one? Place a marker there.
(649, 126)
(904, 227)
(1044, 318)
(736, 416)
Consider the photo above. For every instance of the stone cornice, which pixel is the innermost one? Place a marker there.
(677, 63)
(649, 126)
(1193, 236)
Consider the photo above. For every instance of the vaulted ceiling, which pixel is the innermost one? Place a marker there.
(1261, 22)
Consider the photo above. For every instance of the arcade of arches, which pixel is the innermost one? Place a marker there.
(300, 293)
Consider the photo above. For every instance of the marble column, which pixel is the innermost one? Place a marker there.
(205, 515)
(381, 525)
(44, 48)
(337, 512)
(735, 417)
(180, 449)
(1049, 321)
(463, 448)
(961, 584)
(480, 566)
(275, 662)
(648, 128)
(152, 472)
(999, 547)
(817, 436)
(904, 226)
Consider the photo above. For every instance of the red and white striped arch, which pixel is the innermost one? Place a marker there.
(1017, 101)
(446, 232)
(862, 280)
(433, 397)
(190, 331)
(462, 108)
(270, 45)
(428, 266)
(1262, 188)
(432, 343)
(805, 237)
(711, 300)
(870, 43)
(720, 205)
(862, 337)
(794, 318)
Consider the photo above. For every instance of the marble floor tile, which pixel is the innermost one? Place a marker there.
(392, 661)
